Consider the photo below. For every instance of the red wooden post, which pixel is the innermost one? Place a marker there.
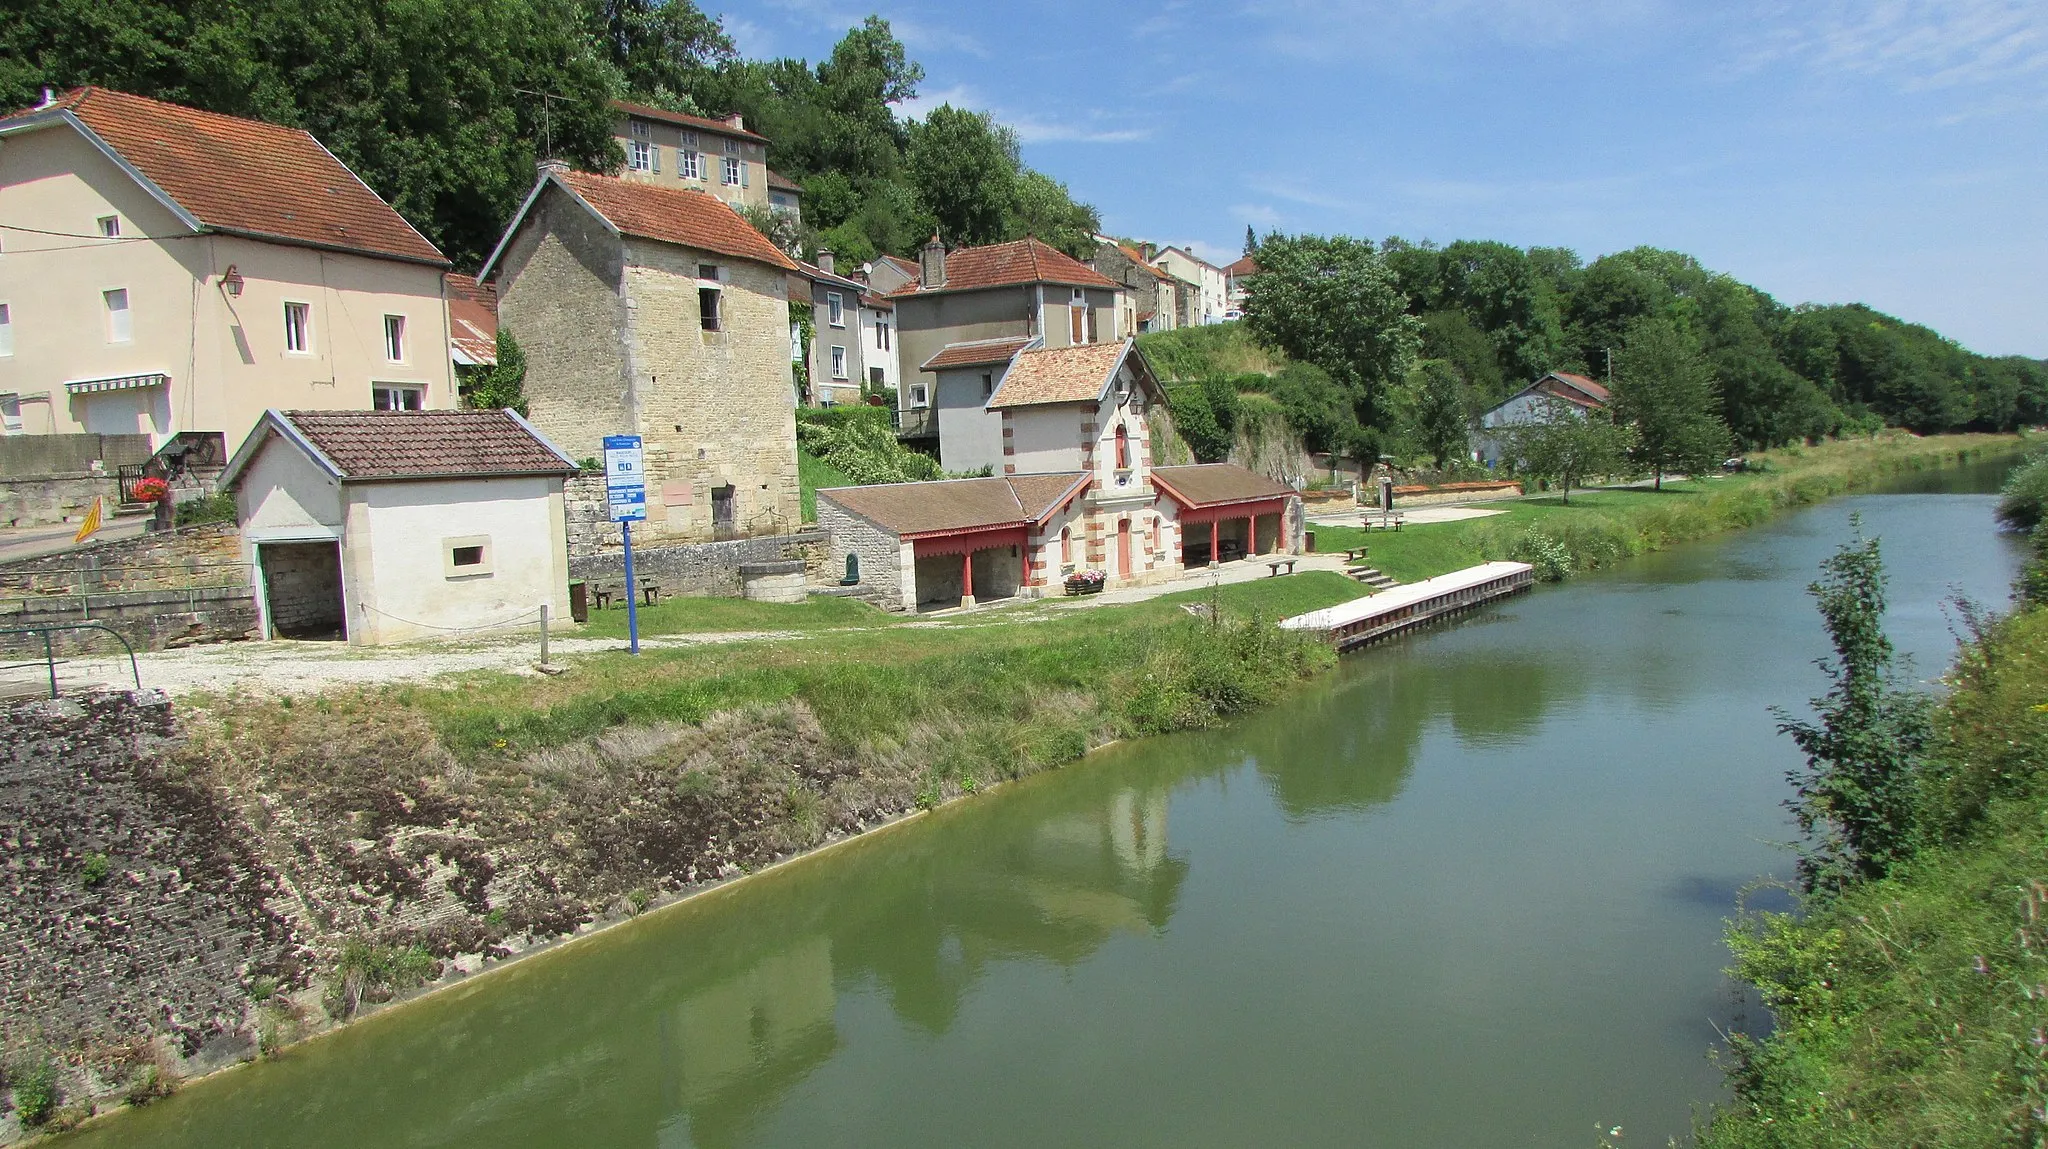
(1215, 556)
(966, 575)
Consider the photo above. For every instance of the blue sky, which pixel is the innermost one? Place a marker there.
(1889, 151)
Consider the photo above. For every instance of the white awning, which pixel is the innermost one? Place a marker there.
(117, 383)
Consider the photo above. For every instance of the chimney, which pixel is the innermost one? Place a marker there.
(825, 260)
(932, 266)
(736, 123)
(49, 98)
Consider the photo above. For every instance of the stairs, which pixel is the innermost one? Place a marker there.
(1371, 577)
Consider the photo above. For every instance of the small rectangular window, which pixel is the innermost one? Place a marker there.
(732, 147)
(707, 307)
(6, 331)
(119, 329)
(733, 168)
(110, 226)
(394, 338)
(917, 395)
(839, 363)
(640, 156)
(298, 328)
(689, 139)
(638, 128)
(688, 163)
(468, 556)
(389, 398)
(835, 309)
(882, 334)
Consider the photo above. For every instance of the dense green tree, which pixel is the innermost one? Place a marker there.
(502, 384)
(1564, 445)
(1664, 391)
(1440, 417)
(1453, 337)
(1042, 206)
(1251, 240)
(1205, 416)
(663, 49)
(1316, 408)
(963, 167)
(1334, 302)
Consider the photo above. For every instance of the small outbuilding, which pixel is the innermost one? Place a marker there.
(374, 527)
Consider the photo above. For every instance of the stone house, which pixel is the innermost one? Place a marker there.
(655, 311)
(1534, 403)
(697, 153)
(1018, 290)
(1212, 285)
(853, 344)
(173, 273)
(1158, 299)
(1068, 433)
(376, 527)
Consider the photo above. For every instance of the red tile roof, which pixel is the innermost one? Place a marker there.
(1017, 262)
(1593, 391)
(1243, 267)
(1059, 375)
(472, 321)
(978, 353)
(673, 215)
(781, 182)
(1139, 262)
(242, 177)
(685, 120)
(1217, 484)
(954, 505)
(424, 444)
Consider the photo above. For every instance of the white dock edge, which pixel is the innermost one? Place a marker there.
(1376, 616)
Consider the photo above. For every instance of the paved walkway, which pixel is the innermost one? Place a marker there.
(1444, 513)
(50, 539)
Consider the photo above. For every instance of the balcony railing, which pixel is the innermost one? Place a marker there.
(917, 423)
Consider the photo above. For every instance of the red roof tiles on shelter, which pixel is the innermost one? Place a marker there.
(1217, 484)
(238, 176)
(1078, 374)
(472, 321)
(425, 444)
(947, 506)
(978, 353)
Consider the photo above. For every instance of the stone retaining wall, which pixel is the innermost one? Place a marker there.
(206, 554)
(35, 500)
(149, 619)
(134, 904)
(701, 568)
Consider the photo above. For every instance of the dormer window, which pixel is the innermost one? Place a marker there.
(110, 226)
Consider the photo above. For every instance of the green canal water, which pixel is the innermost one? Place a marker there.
(1468, 891)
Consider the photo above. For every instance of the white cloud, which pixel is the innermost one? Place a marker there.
(1918, 44)
(922, 37)
(1095, 126)
(1256, 214)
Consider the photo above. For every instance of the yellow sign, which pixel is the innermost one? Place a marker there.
(91, 525)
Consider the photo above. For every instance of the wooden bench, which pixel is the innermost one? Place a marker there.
(1355, 554)
(604, 593)
(1276, 564)
(1388, 520)
(650, 590)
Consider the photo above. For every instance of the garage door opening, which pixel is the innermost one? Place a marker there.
(302, 590)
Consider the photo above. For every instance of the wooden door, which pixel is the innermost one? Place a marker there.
(1123, 547)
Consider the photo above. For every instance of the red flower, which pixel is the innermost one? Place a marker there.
(150, 490)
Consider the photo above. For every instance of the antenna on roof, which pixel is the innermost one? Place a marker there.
(547, 133)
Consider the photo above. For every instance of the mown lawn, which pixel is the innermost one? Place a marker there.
(712, 615)
(811, 474)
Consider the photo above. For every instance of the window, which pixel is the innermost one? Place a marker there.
(1066, 545)
(392, 397)
(732, 147)
(988, 386)
(882, 334)
(110, 226)
(298, 328)
(875, 377)
(466, 557)
(733, 170)
(1123, 448)
(835, 309)
(688, 165)
(1078, 314)
(839, 363)
(707, 307)
(119, 330)
(394, 338)
(722, 507)
(689, 140)
(917, 395)
(6, 331)
(640, 156)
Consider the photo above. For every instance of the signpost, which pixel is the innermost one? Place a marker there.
(625, 492)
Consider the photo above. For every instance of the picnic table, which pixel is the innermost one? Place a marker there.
(606, 592)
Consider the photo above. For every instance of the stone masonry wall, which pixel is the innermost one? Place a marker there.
(207, 554)
(701, 568)
(154, 590)
(880, 554)
(181, 920)
(558, 293)
(28, 502)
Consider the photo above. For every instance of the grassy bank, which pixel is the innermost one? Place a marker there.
(1602, 527)
(1913, 1010)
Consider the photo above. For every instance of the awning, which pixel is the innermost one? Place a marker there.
(117, 383)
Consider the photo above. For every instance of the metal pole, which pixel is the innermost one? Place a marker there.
(50, 657)
(543, 634)
(632, 593)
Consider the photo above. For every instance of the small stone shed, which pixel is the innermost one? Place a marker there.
(950, 542)
(376, 527)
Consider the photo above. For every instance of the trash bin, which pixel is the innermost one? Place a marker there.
(1308, 542)
(579, 600)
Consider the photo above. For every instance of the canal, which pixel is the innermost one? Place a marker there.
(1468, 891)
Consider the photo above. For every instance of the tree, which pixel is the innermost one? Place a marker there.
(1333, 302)
(1862, 756)
(963, 167)
(1564, 445)
(663, 49)
(501, 385)
(1665, 392)
(1251, 241)
(1440, 413)
(1042, 206)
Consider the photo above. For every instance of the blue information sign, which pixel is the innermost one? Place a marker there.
(625, 491)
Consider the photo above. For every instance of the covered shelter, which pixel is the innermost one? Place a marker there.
(374, 527)
(1226, 512)
(955, 541)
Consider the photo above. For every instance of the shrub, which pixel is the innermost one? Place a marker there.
(96, 869)
(369, 972)
(35, 1089)
(215, 508)
(2020, 505)
(1552, 560)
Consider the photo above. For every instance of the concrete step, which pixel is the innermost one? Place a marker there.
(863, 592)
(1373, 578)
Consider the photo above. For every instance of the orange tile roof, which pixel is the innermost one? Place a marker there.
(673, 215)
(1216, 484)
(472, 321)
(953, 505)
(381, 445)
(1595, 391)
(242, 177)
(1139, 262)
(1059, 375)
(1243, 267)
(781, 182)
(685, 120)
(977, 353)
(1017, 262)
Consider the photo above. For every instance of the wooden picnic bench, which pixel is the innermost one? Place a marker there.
(1388, 520)
(605, 592)
(1276, 564)
(1354, 554)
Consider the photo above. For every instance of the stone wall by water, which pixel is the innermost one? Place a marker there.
(134, 905)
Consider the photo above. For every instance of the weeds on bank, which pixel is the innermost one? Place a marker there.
(366, 972)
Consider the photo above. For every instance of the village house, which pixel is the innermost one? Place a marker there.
(1556, 391)
(1157, 299)
(657, 311)
(472, 325)
(672, 149)
(382, 526)
(853, 346)
(172, 272)
(888, 274)
(970, 309)
(1067, 432)
(1236, 279)
(1212, 296)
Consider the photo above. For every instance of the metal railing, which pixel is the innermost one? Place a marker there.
(917, 423)
(50, 661)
